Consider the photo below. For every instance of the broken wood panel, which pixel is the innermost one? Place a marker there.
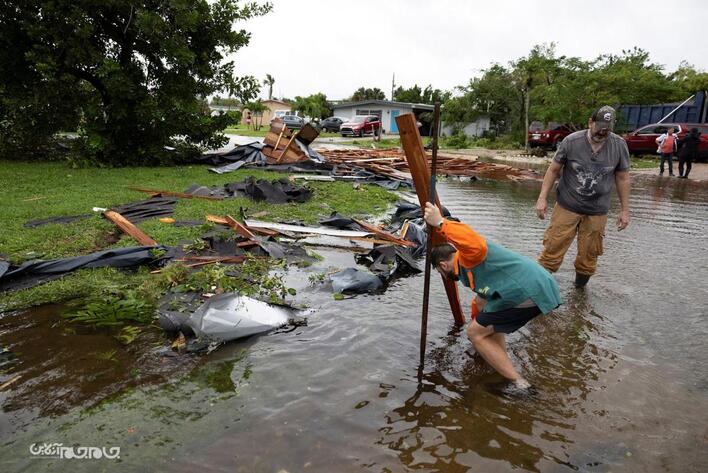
(383, 234)
(239, 227)
(418, 164)
(129, 229)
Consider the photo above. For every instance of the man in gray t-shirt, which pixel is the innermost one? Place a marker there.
(587, 163)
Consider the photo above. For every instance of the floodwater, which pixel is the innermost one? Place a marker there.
(620, 371)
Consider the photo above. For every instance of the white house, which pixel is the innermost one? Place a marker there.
(388, 111)
(385, 109)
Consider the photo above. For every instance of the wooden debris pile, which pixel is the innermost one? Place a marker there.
(280, 146)
(392, 163)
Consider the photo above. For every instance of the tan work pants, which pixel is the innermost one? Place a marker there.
(565, 225)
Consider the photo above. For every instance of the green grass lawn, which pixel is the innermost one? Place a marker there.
(243, 130)
(644, 162)
(42, 190)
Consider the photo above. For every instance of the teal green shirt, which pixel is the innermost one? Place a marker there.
(506, 279)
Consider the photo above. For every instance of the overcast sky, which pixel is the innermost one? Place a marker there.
(335, 46)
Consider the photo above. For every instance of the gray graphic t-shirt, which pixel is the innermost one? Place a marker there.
(587, 177)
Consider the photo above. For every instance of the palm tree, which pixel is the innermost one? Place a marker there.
(256, 108)
(269, 81)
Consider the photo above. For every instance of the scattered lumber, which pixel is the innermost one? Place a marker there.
(128, 228)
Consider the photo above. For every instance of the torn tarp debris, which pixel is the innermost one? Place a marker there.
(155, 207)
(136, 212)
(339, 221)
(278, 191)
(387, 260)
(64, 219)
(35, 272)
(352, 280)
(408, 211)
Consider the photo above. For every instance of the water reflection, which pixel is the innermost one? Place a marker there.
(458, 412)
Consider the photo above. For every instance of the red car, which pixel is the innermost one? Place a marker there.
(643, 140)
(549, 138)
(361, 125)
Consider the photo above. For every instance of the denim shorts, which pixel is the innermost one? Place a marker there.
(509, 320)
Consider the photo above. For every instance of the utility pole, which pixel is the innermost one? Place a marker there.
(393, 85)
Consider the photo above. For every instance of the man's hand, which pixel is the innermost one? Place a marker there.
(432, 215)
(622, 220)
(541, 207)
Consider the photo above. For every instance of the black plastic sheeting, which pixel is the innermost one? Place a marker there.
(389, 260)
(155, 207)
(62, 220)
(274, 192)
(279, 191)
(340, 222)
(251, 154)
(407, 211)
(136, 212)
(35, 272)
(352, 280)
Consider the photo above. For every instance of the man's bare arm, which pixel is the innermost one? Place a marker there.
(623, 186)
(552, 174)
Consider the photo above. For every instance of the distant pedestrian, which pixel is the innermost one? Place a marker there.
(668, 144)
(688, 151)
(587, 164)
(248, 119)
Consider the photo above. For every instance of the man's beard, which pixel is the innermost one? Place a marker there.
(597, 138)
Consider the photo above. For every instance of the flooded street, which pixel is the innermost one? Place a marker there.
(620, 370)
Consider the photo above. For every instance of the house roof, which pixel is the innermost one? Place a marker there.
(276, 101)
(390, 103)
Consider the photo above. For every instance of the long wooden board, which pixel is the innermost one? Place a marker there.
(418, 164)
(128, 228)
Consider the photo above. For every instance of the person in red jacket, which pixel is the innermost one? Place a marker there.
(668, 144)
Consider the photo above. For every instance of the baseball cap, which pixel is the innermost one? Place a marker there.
(605, 117)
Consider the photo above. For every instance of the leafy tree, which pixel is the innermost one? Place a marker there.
(539, 68)
(417, 95)
(363, 93)
(492, 95)
(225, 102)
(269, 81)
(136, 72)
(688, 80)
(313, 106)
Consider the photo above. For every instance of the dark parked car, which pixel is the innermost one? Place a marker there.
(331, 124)
(549, 138)
(293, 121)
(361, 125)
(643, 140)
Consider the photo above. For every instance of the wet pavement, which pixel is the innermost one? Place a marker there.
(619, 370)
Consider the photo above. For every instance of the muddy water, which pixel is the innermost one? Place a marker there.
(619, 368)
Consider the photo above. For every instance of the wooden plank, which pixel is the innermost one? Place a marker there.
(420, 172)
(239, 227)
(129, 229)
(384, 235)
(181, 195)
(217, 219)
